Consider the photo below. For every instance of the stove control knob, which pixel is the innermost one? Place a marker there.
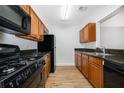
(43, 63)
(11, 85)
(23, 77)
(18, 80)
(27, 73)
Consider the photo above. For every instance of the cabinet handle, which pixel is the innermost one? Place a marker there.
(103, 62)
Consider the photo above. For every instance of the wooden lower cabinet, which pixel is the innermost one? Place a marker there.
(96, 75)
(96, 72)
(91, 68)
(76, 60)
(85, 65)
(79, 61)
(47, 66)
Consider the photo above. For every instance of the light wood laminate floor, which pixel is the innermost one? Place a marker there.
(67, 77)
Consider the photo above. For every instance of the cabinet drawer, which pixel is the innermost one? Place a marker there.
(84, 56)
(95, 60)
(79, 54)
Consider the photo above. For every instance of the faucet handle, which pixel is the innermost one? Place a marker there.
(103, 49)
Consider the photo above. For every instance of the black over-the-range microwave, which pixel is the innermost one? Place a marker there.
(14, 20)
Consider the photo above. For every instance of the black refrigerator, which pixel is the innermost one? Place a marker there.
(49, 45)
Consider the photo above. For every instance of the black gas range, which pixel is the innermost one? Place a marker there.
(19, 71)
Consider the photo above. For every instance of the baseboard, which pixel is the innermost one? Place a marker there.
(64, 64)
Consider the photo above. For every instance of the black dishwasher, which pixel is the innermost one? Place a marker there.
(113, 75)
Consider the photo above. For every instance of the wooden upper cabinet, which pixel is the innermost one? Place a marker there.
(34, 23)
(88, 33)
(26, 8)
(81, 36)
(41, 31)
(45, 30)
(37, 27)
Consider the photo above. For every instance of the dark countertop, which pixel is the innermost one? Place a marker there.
(116, 58)
(33, 54)
(41, 54)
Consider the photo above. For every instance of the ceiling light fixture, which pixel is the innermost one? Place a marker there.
(66, 10)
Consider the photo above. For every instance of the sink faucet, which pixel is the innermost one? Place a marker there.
(103, 49)
(98, 49)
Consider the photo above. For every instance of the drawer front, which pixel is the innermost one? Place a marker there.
(79, 54)
(95, 60)
(85, 57)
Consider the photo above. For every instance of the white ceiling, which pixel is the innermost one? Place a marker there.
(51, 14)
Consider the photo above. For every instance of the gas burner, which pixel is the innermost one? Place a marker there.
(32, 59)
(9, 70)
(18, 65)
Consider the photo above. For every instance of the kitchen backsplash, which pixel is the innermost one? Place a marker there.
(22, 43)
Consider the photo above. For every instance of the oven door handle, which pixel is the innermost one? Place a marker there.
(115, 69)
(119, 70)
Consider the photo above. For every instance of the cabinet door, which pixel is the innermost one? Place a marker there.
(85, 65)
(86, 34)
(75, 59)
(45, 72)
(49, 61)
(81, 36)
(45, 30)
(79, 61)
(41, 31)
(46, 68)
(96, 75)
(25, 8)
(47, 65)
(92, 32)
(34, 23)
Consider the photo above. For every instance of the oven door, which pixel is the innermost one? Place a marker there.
(36, 80)
(42, 82)
(114, 75)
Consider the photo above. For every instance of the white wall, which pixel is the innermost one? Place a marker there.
(22, 43)
(65, 44)
(112, 31)
(68, 38)
(115, 20)
(112, 37)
